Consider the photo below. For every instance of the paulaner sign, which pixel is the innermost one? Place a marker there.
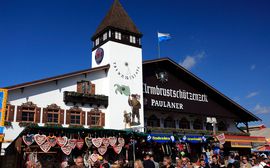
(172, 93)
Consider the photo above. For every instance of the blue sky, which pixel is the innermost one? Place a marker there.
(226, 43)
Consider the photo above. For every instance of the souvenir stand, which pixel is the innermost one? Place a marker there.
(56, 145)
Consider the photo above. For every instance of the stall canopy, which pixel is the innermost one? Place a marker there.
(243, 141)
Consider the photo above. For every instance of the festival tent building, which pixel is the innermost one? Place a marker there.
(90, 108)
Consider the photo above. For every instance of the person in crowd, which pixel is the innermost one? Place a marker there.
(236, 161)
(245, 163)
(178, 163)
(138, 164)
(203, 164)
(263, 161)
(153, 160)
(185, 162)
(222, 162)
(231, 161)
(214, 163)
(147, 162)
(78, 163)
(256, 163)
(167, 162)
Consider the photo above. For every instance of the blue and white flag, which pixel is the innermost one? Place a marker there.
(163, 37)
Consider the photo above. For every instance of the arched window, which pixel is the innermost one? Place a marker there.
(169, 123)
(197, 124)
(184, 123)
(153, 121)
(222, 126)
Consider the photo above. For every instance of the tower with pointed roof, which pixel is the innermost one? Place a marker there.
(117, 42)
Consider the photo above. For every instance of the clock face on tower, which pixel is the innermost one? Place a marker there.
(126, 70)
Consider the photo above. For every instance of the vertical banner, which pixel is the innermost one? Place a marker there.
(3, 103)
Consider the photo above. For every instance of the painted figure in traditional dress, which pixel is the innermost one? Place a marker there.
(127, 119)
(135, 104)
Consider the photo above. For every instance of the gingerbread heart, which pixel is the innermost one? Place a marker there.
(52, 140)
(97, 142)
(72, 143)
(117, 148)
(112, 140)
(66, 149)
(61, 141)
(28, 139)
(94, 157)
(102, 149)
(88, 141)
(121, 141)
(79, 143)
(40, 139)
(106, 142)
(45, 147)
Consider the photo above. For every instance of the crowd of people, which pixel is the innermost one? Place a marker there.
(234, 160)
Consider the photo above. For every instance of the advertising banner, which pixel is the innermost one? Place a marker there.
(160, 138)
(3, 103)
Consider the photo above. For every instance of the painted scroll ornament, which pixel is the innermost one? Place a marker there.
(28, 139)
(45, 147)
(112, 140)
(97, 142)
(106, 142)
(121, 141)
(66, 149)
(80, 143)
(88, 141)
(102, 149)
(72, 143)
(40, 139)
(61, 141)
(122, 89)
(94, 157)
(52, 140)
(117, 149)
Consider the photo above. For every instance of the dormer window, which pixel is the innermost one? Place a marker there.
(118, 35)
(105, 36)
(86, 87)
(132, 39)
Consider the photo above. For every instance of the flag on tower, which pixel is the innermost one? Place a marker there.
(163, 37)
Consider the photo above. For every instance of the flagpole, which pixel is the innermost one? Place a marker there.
(158, 47)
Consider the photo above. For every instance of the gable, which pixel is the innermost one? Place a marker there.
(185, 93)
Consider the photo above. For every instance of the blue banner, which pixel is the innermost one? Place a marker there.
(160, 138)
(193, 139)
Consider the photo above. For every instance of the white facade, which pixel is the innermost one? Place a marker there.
(52, 93)
(125, 61)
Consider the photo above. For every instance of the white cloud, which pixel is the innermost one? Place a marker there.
(252, 94)
(252, 67)
(258, 109)
(190, 61)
